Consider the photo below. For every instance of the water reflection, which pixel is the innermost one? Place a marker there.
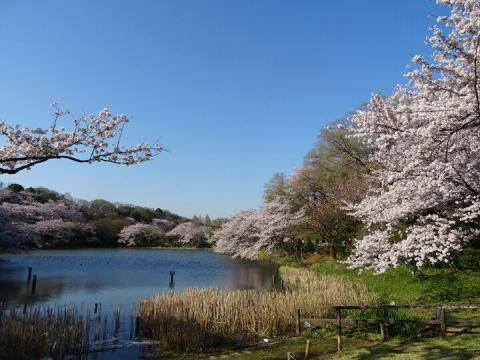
(14, 291)
(122, 276)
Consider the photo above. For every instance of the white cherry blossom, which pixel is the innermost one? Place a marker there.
(91, 138)
(424, 200)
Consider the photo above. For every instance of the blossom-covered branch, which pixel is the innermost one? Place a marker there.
(425, 193)
(92, 138)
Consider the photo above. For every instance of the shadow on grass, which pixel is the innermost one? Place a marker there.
(420, 349)
(450, 287)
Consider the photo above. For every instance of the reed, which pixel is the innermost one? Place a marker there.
(45, 331)
(191, 320)
(198, 319)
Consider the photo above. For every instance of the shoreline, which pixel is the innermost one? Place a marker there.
(13, 250)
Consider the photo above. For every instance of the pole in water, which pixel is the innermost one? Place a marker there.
(34, 284)
(29, 274)
(172, 281)
(137, 326)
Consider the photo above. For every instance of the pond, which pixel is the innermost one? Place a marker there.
(121, 277)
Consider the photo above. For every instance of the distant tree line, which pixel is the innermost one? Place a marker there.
(43, 218)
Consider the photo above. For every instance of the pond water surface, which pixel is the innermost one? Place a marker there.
(121, 277)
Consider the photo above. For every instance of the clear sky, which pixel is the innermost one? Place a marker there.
(236, 89)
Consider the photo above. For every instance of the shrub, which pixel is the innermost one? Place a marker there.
(44, 195)
(15, 188)
(468, 259)
(142, 214)
(108, 230)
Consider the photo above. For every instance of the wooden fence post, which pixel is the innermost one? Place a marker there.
(339, 329)
(307, 349)
(384, 324)
(385, 318)
(439, 315)
(297, 322)
(443, 325)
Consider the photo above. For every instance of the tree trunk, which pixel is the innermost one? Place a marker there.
(333, 251)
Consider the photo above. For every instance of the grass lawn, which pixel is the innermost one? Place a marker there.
(455, 347)
(322, 348)
(402, 287)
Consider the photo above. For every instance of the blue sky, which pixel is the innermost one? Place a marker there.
(236, 89)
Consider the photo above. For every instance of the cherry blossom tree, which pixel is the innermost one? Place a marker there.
(34, 211)
(43, 224)
(424, 200)
(141, 235)
(54, 232)
(277, 222)
(250, 232)
(91, 138)
(189, 233)
(238, 236)
(6, 237)
(165, 224)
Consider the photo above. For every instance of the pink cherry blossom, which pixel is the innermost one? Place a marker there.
(427, 141)
(252, 231)
(91, 138)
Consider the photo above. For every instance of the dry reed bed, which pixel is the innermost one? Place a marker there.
(38, 333)
(196, 319)
(52, 332)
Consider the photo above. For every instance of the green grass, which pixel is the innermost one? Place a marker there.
(455, 347)
(402, 287)
(321, 348)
